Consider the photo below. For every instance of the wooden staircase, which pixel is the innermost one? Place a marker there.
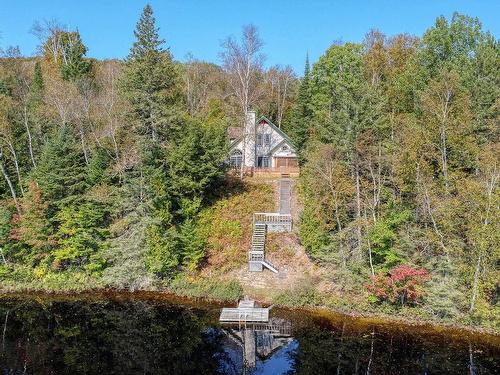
(259, 237)
(273, 222)
(256, 257)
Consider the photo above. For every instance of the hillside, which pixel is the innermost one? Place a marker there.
(117, 174)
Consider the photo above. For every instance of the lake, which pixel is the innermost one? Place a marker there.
(147, 333)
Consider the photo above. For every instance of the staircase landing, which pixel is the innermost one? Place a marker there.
(273, 222)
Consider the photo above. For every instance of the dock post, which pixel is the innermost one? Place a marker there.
(249, 343)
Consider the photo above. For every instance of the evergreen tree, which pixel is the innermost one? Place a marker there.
(164, 251)
(149, 83)
(61, 170)
(5, 227)
(37, 85)
(36, 123)
(150, 80)
(195, 166)
(81, 233)
(96, 171)
(66, 50)
(192, 244)
(75, 66)
(301, 115)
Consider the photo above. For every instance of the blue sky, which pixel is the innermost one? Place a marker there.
(289, 28)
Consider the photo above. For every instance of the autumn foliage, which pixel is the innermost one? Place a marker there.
(403, 285)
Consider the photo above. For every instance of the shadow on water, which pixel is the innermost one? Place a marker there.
(147, 336)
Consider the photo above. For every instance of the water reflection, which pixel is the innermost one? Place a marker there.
(40, 336)
(260, 341)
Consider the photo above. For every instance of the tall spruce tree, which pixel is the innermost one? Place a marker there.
(301, 116)
(66, 50)
(61, 170)
(150, 84)
(150, 80)
(37, 86)
(75, 65)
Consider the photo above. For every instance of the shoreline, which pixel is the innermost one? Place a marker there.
(355, 318)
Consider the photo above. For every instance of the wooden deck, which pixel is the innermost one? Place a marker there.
(244, 315)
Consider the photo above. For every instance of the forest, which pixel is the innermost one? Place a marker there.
(107, 165)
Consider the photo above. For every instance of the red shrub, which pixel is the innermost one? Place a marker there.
(403, 284)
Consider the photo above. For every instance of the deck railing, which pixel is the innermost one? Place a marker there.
(255, 256)
(272, 218)
(277, 170)
(284, 328)
(292, 171)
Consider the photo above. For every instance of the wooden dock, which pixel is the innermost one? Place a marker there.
(244, 315)
(246, 312)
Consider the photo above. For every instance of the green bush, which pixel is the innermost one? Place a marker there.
(4, 271)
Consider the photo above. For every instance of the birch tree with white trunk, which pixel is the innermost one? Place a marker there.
(243, 62)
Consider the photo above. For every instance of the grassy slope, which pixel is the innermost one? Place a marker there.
(227, 225)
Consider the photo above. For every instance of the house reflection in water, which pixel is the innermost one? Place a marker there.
(260, 340)
(251, 329)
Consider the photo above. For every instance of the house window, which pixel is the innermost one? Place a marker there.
(236, 159)
(259, 140)
(263, 162)
(284, 148)
(267, 139)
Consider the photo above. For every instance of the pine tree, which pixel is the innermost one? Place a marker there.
(68, 55)
(301, 116)
(150, 80)
(80, 234)
(37, 86)
(75, 66)
(61, 170)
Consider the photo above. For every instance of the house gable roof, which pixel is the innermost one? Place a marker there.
(280, 144)
(237, 140)
(278, 130)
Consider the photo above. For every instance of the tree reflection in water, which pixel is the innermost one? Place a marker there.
(149, 337)
(326, 349)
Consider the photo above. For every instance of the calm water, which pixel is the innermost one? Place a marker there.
(131, 335)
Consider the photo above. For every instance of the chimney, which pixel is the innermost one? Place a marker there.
(250, 123)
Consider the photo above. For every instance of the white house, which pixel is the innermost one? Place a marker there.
(261, 145)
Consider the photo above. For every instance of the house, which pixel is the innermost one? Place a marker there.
(261, 145)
